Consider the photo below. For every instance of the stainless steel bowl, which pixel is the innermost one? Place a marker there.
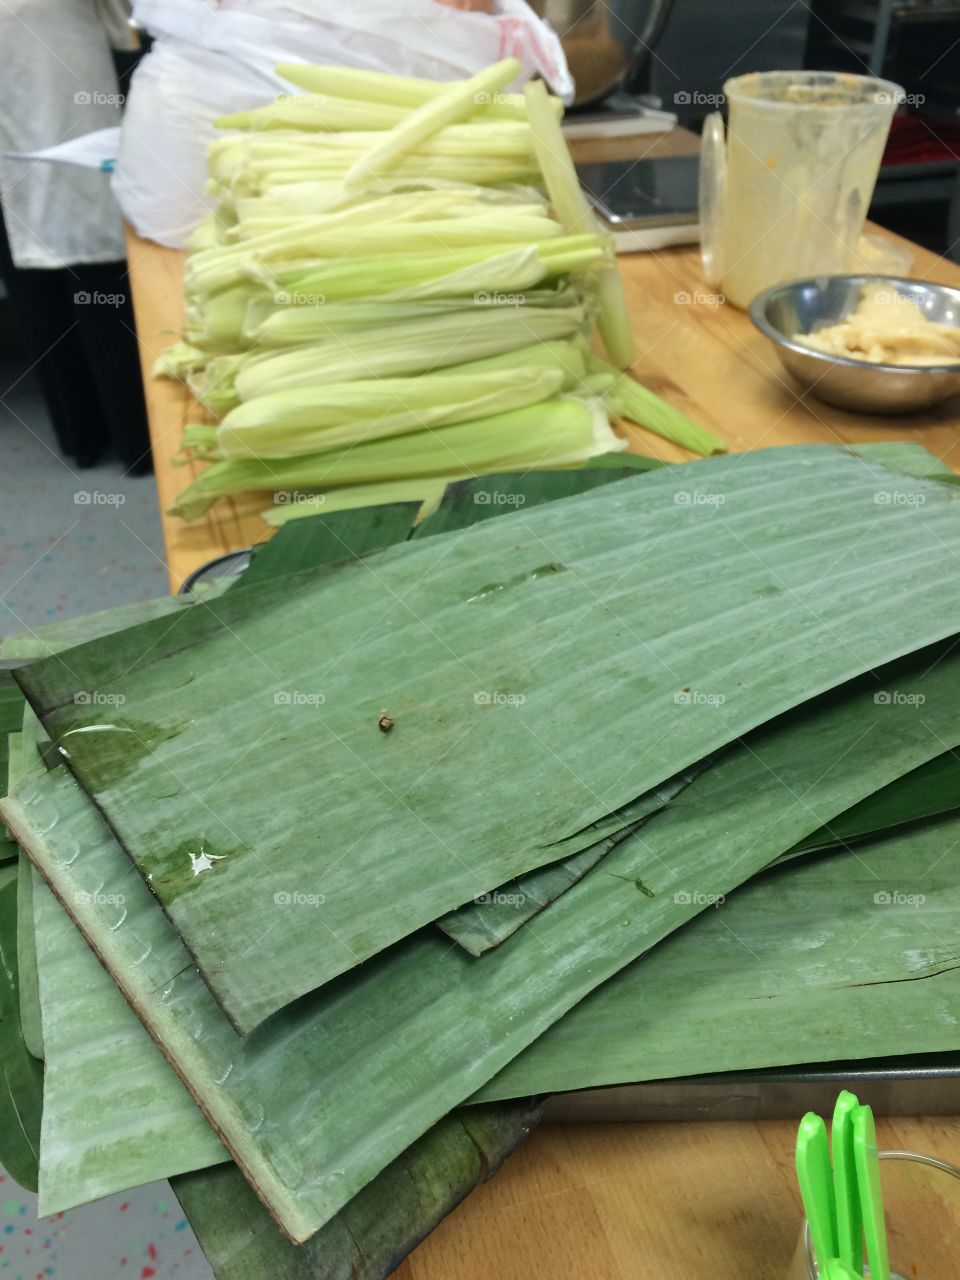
(803, 305)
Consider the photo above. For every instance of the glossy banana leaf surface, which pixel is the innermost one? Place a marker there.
(669, 614)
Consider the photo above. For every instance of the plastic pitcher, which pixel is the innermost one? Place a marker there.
(787, 194)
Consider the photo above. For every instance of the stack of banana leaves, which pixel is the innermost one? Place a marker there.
(315, 884)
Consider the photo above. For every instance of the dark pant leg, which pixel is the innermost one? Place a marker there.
(43, 319)
(104, 314)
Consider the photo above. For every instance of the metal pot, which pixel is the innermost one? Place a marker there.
(607, 42)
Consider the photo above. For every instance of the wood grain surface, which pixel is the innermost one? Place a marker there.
(653, 1202)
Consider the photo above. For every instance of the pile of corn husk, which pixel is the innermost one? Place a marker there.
(399, 287)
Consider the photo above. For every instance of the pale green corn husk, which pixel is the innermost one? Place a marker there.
(217, 268)
(258, 223)
(556, 432)
(455, 103)
(205, 235)
(430, 206)
(215, 321)
(352, 266)
(403, 349)
(494, 138)
(482, 170)
(315, 111)
(320, 197)
(310, 420)
(393, 276)
(576, 217)
(628, 399)
(398, 91)
(179, 361)
(213, 383)
(521, 269)
(428, 493)
(198, 444)
(247, 315)
(258, 215)
(270, 326)
(304, 410)
(416, 206)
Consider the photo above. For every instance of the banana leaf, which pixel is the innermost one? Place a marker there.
(54, 637)
(908, 458)
(21, 1094)
(496, 916)
(469, 502)
(932, 789)
(822, 960)
(415, 1031)
(115, 1114)
(11, 714)
(783, 595)
(321, 540)
(30, 1026)
(24, 764)
(19, 748)
(102, 1063)
(375, 1231)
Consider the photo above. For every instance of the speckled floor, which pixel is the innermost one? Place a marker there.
(142, 1235)
(72, 542)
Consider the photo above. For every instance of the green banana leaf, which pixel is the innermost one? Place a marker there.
(103, 1063)
(782, 595)
(907, 458)
(342, 536)
(414, 1032)
(11, 714)
(931, 790)
(322, 540)
(24, 764)
(54, 637)
(496, 916)
(822, 960)
(115, 1114)
(375, 1231)
(469, 502)
(21, 1094)
(100, 1062)
(30, 1025)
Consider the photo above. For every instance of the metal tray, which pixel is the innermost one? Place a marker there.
(927, 1085)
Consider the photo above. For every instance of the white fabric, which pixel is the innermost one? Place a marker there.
(210, 59)
(96, 150)
(58, 83)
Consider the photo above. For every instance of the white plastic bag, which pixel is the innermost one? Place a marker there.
(209, 59)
